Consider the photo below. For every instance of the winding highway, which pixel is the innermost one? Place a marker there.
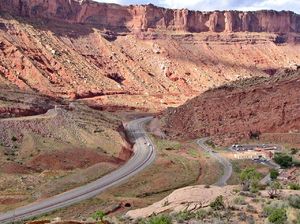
(144, 155)
(225, 162)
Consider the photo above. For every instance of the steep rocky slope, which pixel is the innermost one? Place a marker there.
(232, 112)
(142, 57)
(47, 154)
(63, 146)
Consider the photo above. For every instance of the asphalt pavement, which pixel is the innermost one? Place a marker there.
(228, 166)
(227, 171)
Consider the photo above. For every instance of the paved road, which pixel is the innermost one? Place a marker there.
(144, 155)
(228, 166)
(225, 162)
(271, 164)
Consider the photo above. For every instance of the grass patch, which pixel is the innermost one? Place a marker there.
(210, 143)
(163, 144)
(160, 178)
(170, 171)
(160, 219)
(211, 172)
(239, 200)
(194, 153)
(239, 165)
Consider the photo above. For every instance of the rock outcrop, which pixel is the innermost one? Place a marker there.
(144, 17)
(238, 111)
(115, 57)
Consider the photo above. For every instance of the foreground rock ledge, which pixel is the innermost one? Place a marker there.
(188, 198)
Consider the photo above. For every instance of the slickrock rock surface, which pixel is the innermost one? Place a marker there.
(184, 199)
(196, 200)
(232, 112)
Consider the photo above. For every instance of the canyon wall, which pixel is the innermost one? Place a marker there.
(144, 17)
(65, 48)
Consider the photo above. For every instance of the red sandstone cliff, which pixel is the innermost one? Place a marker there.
(149, 16)
(74, 51)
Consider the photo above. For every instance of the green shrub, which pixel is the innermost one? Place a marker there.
(160, 219)
(294, 186)
(201, 214)
(254, 187)
(210, 143)
(294, 151)
(184, 216)
(296, 163)
(274, 174)
(236, 190)
(239, 200)
(294, 201)
(278, 216)
(273, 205)
(218, 203)
(249, 179)
(14, 139)
(98, 216)
(284, 160)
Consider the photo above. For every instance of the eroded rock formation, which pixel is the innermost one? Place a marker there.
(144, 17)
(113, 56)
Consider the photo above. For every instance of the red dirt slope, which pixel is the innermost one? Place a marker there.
(232, 112)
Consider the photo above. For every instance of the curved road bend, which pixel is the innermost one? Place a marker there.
(144, 155)
(225, 162)
(228, 166)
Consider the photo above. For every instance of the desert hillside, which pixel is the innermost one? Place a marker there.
(242, 109)
(80, 80)
(48, 146)
(139, 57)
